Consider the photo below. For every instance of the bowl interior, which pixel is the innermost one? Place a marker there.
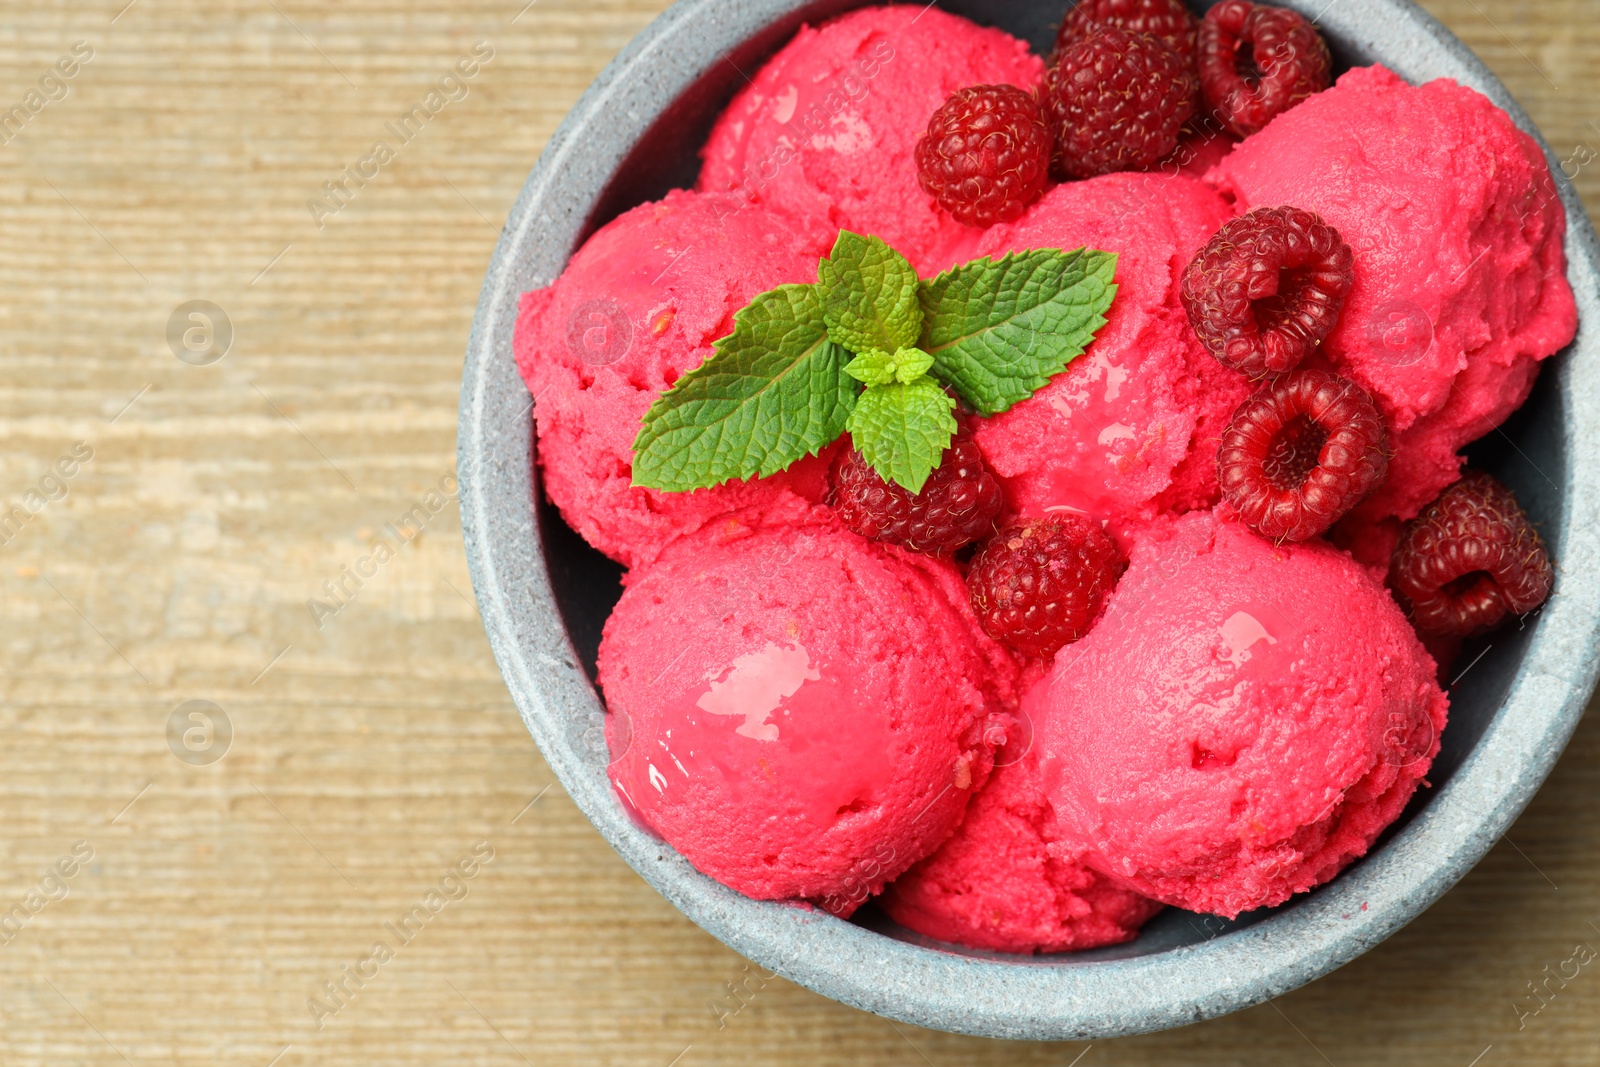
(1526, 453)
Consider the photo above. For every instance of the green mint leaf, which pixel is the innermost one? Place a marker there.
(773, 390)
(911, 364)
(873, 366)
(877, 367)
(902, 429)
(999, 330)
(869, 295)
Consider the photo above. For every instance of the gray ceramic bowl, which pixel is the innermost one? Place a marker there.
(544, 594)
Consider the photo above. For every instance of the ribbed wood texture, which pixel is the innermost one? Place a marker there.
(372, 753)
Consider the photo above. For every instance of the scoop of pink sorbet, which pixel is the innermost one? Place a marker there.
(800, 712)
(1131, 427)
(639, 304)
(996, 885)
(1460, 278)
(827, 128)
(1216, 745)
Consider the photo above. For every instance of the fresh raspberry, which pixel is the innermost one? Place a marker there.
(1169, 21)
(1469, 560)
(1257, 62)
(1301, 452)
(1267, 288)
(1039, 584)
(958, 502)
(1116, 101)
(986, 154)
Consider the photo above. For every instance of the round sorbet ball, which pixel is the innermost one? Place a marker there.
(1217, 745)
(1460, 277)
(1130, 429)
(827, 129)
(800, 712)
(640, 304)
(997, 885)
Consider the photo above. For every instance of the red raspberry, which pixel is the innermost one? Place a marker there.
(1116, 101)
(958, 502)
(1469, 560)
(1039, 584)
(1257, 62)
(1167, 20)
(986, 154)
(1267, 288)
(1301, 452)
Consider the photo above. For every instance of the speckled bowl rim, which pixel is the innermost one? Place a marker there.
(1009, 997)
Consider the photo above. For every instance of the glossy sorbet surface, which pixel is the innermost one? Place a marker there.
(801, 713)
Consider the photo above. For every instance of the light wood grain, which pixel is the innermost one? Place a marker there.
(379, 748)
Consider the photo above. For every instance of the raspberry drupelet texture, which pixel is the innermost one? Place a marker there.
(1116, 100)
(986, 155)
(1039, 584)
(1267, 288)
(957, 505)
(1471, 559)
(1257, 62)
(1301, 452)
(1167, 20)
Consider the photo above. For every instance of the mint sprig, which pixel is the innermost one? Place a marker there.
(877, 367)
(869, 295)
(903, 428)
(772, 391)
(999, 330)
(870, 349)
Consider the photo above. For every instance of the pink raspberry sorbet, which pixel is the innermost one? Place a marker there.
(640, 304)
(800, 712)
(996, 884)
(1131, 428)
(806, 715)
(1216, 745)
(827, 128)
(1460, 281)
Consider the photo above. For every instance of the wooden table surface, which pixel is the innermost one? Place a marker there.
(193, 910)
